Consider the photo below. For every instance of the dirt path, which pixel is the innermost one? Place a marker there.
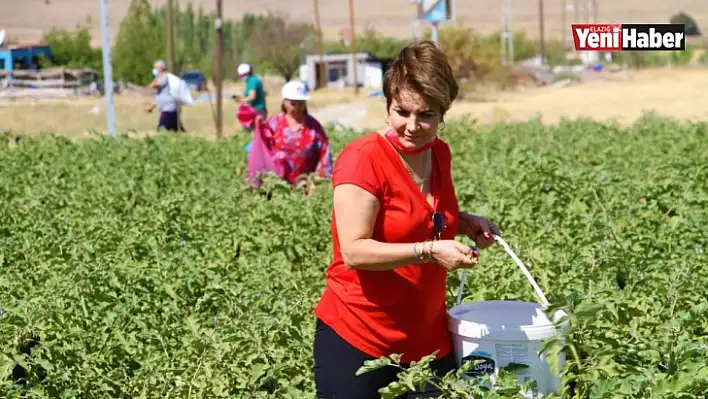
(344, 114)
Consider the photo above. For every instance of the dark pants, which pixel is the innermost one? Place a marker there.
(336, 363)
(169, 120)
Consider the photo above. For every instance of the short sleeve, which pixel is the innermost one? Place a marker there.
(163, 81)
(357, 165)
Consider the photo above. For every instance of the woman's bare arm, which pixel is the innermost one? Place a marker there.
(355, 210)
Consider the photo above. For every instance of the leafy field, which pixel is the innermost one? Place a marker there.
(146, 268)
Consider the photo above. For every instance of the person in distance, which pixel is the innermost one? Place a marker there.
(170, 118)
(254, 93)
(298, 144)
(394, 222)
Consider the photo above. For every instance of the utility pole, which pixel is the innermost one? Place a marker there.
(576, 10)
(540, 24)
(320, 48)
(355, 64)
(507, 36)
(414, 19)
(594, 12)
(219, 66)
(107, 69)
(170, 37)
(564, 28)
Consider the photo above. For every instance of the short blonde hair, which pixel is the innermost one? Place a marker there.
(423, 68)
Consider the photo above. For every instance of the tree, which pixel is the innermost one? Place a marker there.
(73, 49)
(689, 23)
(249, 23)
(372, 42)
(277, 42)
(140, 41)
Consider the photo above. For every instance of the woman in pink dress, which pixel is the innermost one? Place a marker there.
(293, 140)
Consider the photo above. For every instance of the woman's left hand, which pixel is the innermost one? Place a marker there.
(478, 229)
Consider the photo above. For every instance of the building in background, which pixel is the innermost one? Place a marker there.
(338, 71)
(24, 57)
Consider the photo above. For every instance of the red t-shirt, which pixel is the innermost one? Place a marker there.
(401, 310)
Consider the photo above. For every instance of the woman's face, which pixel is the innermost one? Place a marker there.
(294, 107)
(414, 120)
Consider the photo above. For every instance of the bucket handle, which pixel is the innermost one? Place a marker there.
(539, 292)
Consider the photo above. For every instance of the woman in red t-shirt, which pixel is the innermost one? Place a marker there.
(394, 222)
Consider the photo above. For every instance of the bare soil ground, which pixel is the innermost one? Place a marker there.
(28, 19)
(676, 93)
(680, 93)
(85, 116)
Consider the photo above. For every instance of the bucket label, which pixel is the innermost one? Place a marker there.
(512, 353)
(487, 365)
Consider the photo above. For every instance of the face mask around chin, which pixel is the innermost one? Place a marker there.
(154, 72)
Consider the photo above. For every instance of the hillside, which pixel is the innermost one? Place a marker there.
(28, 19)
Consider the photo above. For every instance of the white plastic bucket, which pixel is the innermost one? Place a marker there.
(503, 332)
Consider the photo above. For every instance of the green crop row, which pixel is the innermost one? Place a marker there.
(147, 268)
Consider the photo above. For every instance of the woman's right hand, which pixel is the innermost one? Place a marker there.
(453, 255)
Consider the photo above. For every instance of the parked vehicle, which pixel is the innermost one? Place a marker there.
(195, 80)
